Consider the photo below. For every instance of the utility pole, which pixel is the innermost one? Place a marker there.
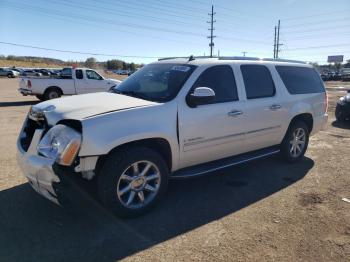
(211, 29)
(244, 52)
(278, 45)
(274, 44)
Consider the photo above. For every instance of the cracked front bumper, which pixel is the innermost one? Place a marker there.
(37, 169)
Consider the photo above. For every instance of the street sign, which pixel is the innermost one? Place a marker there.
(335, 59)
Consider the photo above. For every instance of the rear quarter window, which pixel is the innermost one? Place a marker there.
(300, 80)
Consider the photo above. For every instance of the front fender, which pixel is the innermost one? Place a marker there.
(103, 133)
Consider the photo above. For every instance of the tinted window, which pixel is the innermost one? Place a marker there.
(258, 81)
(79, 74)
(300, 80)
(221, 79)
(93, 75)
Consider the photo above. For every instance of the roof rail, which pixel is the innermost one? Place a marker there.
(260, 59)
(234, 58)
(185, 57)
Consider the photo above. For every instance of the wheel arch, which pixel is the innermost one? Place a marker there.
(54, 87)
(160, 145)
(307, 118)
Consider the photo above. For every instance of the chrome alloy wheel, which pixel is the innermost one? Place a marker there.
(138, 184)
(297, 144)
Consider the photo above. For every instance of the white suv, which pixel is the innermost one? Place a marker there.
(174, 118)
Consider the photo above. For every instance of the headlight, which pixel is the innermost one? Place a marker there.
(61, 143)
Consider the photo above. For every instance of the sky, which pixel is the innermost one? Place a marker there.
(142, 31)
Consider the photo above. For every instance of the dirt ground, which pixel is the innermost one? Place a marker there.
(265, 210)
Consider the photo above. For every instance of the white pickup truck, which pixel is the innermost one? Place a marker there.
(72, 81)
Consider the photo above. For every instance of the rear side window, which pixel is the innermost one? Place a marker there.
(79, 74)
(221, 79)
(300, 80)
(257, 81)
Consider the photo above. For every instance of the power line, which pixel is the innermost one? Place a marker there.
(317, 23)
(77, 52)
(107, 21)
(316, 47)
(320, 14)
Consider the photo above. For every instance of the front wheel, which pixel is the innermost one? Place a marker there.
(132, 181)
(295, 142)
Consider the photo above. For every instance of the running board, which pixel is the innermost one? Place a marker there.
(202, 169)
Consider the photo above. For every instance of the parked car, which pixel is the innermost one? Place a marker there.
(345, 74)
(30, 72)
(71, 82)
(8, 72)
(44, 72)
(174, 118)
(342, 110)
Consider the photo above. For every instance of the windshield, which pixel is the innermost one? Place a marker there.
(156, 82)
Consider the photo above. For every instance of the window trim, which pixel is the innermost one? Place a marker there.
(213, 103)
(245, 89)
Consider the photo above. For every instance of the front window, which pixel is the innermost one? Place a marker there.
(156, 82)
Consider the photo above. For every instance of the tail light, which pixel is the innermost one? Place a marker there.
(29, 84)
(325, 102)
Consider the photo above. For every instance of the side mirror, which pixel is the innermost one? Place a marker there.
(200, 96)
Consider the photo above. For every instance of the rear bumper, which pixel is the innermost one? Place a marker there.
(25, 92)
(320, 123)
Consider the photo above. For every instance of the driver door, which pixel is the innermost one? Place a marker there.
(90, 83)
(212, 131)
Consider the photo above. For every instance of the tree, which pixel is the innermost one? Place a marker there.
(91, 62)
(114, 64)
(347, 65)
(132, 67)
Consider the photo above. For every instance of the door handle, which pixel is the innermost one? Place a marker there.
(275, 107)
(235, 113)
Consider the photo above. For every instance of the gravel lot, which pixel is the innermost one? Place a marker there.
(265, 210)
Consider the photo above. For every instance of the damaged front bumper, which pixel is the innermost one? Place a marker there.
(37, 169)
(44, 175)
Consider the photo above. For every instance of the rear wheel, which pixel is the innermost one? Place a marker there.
(132, 181)
(295, 142)
(52, 93)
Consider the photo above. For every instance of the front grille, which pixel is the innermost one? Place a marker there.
(29, 130)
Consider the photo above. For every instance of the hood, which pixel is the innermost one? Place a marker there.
(80, 107)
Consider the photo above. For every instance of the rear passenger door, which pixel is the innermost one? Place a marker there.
(264, 111)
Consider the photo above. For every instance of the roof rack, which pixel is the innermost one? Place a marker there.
(235, 58)
(260, 59)
(185, 57)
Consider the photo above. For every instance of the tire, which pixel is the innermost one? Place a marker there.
(10, 75)
(293, 150)
(40, 97)
(52, 93)
(339, 114)
(117, 182)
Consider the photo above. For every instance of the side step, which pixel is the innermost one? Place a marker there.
(202, 169)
